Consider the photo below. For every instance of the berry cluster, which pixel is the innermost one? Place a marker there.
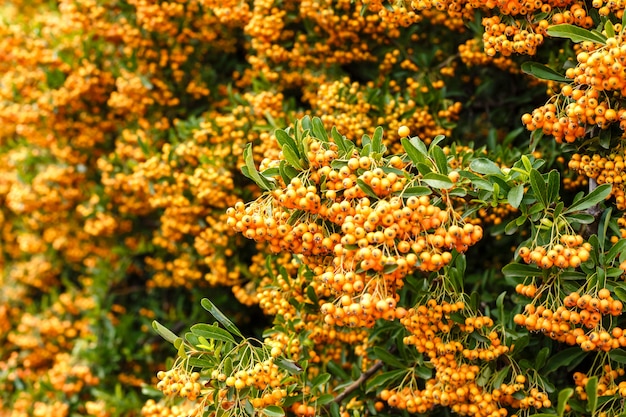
(570, 252)
(604, 170)
(586, 102)
(567, 323)
(360, 236)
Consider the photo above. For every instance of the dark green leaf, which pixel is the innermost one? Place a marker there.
(385, 379)
(543, 72)
(366, 188)
(440, 159)
(387, 357)
(618, 356)
(554, 185)
(538, 185)
(289, 366)
(566, 357)
(591, 389)
(598, 195)
(325, 399)
(521, 270)
(576, 34)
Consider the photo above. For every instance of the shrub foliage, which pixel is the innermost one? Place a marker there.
(342, 208)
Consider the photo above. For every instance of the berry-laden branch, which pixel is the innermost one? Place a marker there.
(357, 383)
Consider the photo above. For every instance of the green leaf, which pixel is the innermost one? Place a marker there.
(288, 365)
(576, 34)
(592, 394)
(618, 356)
(564, 396)
(598, 195)
(416, 191)
(440, 159)
(377, 140)
(437, 180)
(609, 29)
(385, 379)
(164, 332)
(540, 361)
(318, 129)
(273, 411)
(284, 139)
(387, 357)
(485, 166)
(211, 332)
(324, 399)
(515, 195)
(321, 379)
(219, 316)
(250, 171)
(366, 188)
(521, 270)
(414, 153)
(292, 157)
(543, 72)
(538, 185)
(567, 357)
(554, 185)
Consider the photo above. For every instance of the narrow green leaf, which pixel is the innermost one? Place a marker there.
(598, 195)
(273, 411)
(292, 157)
(564, 396)
(538, 185)
(618, 355)
(566, 357)
(543, 72)
(609, 29)
(321, 379)
(485, 166)
(385, 379)
(592, 394)
(387, 357)
(440, 159)
(289, 366)
(324, 399)
(416, 191)
(576, 34)
(219, 316)
(211, 332)
(414, 154)
(554, 185)
(339, 141)
(284, 139)
(377, 140)
(366, 188)
(164, 332)
(521, 270)
(437, 180)
(251, 172)
(319, 131)
(515, 195)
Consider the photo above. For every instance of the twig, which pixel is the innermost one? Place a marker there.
(357, 383)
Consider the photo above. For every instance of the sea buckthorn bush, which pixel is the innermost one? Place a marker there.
(338, 208)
